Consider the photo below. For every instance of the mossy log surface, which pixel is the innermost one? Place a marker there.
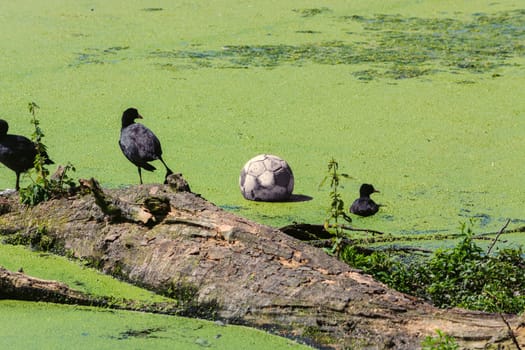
(242, 271)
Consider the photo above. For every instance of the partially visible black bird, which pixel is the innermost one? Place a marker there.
(139, 144)
(18, 152)
(364, 206)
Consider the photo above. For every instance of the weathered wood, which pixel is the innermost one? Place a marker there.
(19, 286)
(16, 285)
(249, 273)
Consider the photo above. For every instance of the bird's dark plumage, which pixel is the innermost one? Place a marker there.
(364, 206)
(17, 152)
(139, 144)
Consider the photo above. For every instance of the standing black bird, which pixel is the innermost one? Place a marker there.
(18, 152)
(139, 144)
(364, 206)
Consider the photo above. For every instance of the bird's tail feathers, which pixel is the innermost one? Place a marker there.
(148, 167)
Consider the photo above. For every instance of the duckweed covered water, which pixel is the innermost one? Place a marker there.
(50, 326)
(424, 100)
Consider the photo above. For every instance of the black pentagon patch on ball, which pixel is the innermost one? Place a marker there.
(282, 177)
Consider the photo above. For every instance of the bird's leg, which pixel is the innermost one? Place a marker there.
(168, 170)
(140, 175)
(17, 186)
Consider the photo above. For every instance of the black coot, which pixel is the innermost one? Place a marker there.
(364, 206)
(139, 144)
(17, 152)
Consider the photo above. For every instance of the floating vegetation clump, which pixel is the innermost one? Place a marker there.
(312, 11)
(479, 45)
(389, 46)
(99, 56)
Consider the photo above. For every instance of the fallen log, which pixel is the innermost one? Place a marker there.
(243, 272)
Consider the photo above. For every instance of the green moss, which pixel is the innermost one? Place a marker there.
(186, 295)
(317, 335)
(36, 238)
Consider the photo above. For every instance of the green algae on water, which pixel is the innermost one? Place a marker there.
(399, 47)
(29, 325)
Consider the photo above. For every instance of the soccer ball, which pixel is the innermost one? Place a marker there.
(266, 178)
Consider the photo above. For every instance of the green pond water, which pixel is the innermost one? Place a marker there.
(423, 99)
(50, 326)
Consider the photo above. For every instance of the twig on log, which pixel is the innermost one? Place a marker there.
(151, 212)
(497, 236)
(409, 249)
(361, 229)
(514, 230)
(105, 204)
(511, 332)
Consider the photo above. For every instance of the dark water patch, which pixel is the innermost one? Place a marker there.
(423, 232)
(99, 56)
(203, 342)
(516, 221)
(115, 49)
(308, 32)
(152, 9)
(79, 283)
(231, 207)
(387, 217)
(311, 12)
(141, 333)
(481, 219)
(466, 82)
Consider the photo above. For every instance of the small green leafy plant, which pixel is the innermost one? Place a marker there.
(336, 214)
(44, 187)
(466, 276)
(441, 342)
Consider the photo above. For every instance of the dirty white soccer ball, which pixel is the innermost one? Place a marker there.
(266, 178)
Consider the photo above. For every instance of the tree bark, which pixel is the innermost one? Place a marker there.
(234, 269)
